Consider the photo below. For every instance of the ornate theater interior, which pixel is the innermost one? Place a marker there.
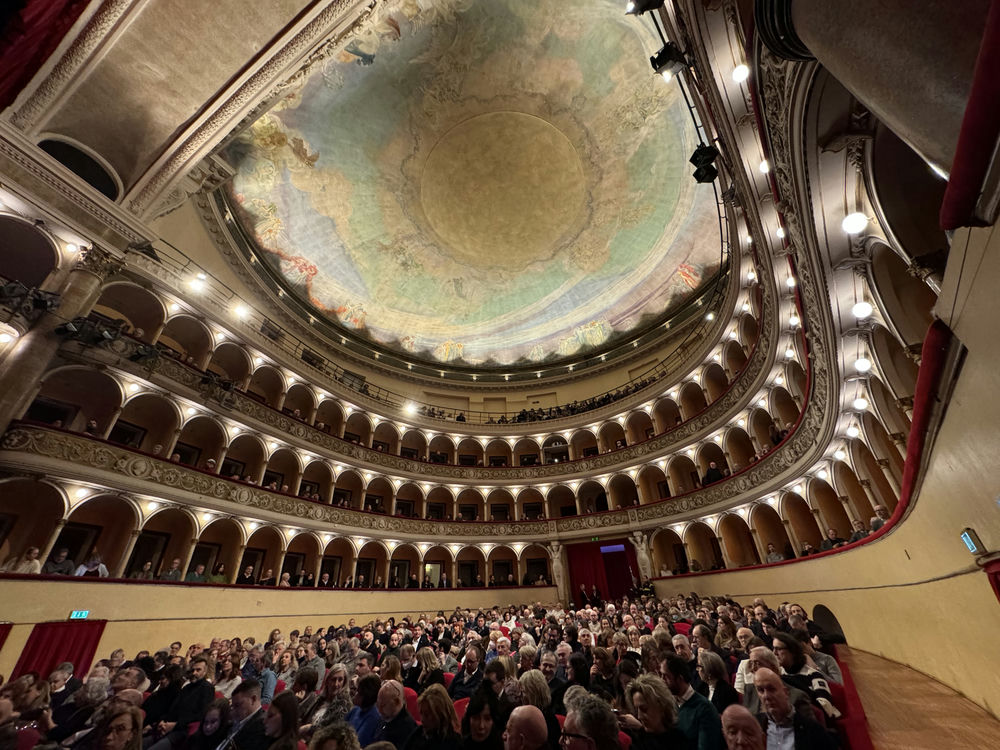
(542, 293)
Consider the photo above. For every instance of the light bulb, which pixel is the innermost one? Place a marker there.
(793, 321)
(779, 380)
(6, 338)
(71, 248)
(853, 432)
(764, 167)
(862, 310)
(745, 307)
(863, 364)
(839, 455)
(740, 73)
(133, 387)
(780, 232)
(241, 311)
(860, 404)
(751, 275)
(196, 285)
(790, 282)
(854, 223)
(732, 335)
(710, 316)
(789, 353)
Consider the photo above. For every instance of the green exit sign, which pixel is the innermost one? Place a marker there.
(595, 538)
(79, 614)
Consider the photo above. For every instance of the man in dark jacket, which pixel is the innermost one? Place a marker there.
(397, 725)
(470, 678)
(247, 731)
(781, 722)
(189, 706)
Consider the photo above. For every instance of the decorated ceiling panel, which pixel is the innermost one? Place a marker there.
(490, 182)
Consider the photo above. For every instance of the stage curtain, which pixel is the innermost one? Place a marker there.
(586, 566)
(4, 632)
(52, 643)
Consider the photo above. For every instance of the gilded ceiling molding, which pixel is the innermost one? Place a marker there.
(335, 23)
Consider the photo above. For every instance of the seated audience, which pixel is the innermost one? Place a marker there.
(783, 726)
(27, 563)
(439, 726)
(364, 717)
(696, 716)
(714, 674)
(397, 724)
(481, 729)
(59, 564)
(652, 724)
(526, 730)
(281, 723)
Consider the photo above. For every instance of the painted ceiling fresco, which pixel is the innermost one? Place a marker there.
(482, 181)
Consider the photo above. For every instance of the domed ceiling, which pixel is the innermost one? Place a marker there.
(488, 182)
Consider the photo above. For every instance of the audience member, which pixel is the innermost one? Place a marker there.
(397, 724)
(784, 727)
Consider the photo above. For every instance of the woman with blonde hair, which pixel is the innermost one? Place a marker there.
(286, 667)
(440, 727)
(391, 669)
(652, 720)
(430, 669)
(535, 692)
(334, 701)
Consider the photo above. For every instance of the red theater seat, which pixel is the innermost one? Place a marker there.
(448, 677)
(460, 705)
(411, 703)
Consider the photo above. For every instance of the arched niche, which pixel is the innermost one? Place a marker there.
(230, 362)
(560, 502)
(653, 485)
(441, 504)
(266, 386)
(824, 497)
(329, 417)
(219, 542)
(27, 255)
(527, 453)
(498, 453)
(666, 415)
(338, 560)
(379, 495)
(349, 490)
(803, 522)
(622, 491)
(770, 530)
(405, 562)
(639, 427)
(583, 444)
(441, 450)
(71, 396)
(300, 401)
(302, 555)
(734, 358)
(263, 552)
(471, 505)
(499, 506)
(282, 472)
(385, 439)
(784, 408)
(410, 501)
(101, 524)
(530, 504)
(894, 418)
(593, 498)
(748, 331)
(900, 371)
(668, 552)
(761, 425)
(612, 436)
(470, 453)
(471, 563)
(501, 566)
(847, 484)
(739, 447)
(165, 537)
(797, 382)
(146, 421)
(413, 445)
(202, 438)
(534, 561)
(30, 509)
(692, 400)
(555, 449)
(140, 308)
(711, 453)
(245, 458)
(682, 474)
(906, 302)
(373, 561)
(317, 482)
(702, 546)
(188, 339)
(714, 380)
(438, 560)
(883, 446)
(738, 541)
(358, 429)
(869, 469)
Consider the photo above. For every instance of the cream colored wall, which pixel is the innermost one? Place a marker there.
(150, 617)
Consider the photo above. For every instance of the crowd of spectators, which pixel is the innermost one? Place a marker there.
(678, 672)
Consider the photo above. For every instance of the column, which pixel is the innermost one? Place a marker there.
(899, 440)
(46, 549)
(220, 457)
(318, 568)
(186, 557)
(111, 423)
(726, 559)
(848, 508)
(281, 561)
(168, 449)
(867, 485)
(280, 401)
(900, 82)
(30, 356)
(889, 476)
(119, 570)
(905, 404)
(821, 521)
(238, 564)
(687, 554)
(792, 536)
(759, 544)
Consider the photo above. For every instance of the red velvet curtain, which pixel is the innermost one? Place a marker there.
(611, 571)
(29, 32)
(52, 643)
(4, 632)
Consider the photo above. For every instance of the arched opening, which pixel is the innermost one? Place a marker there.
(653, 485)
(348, 492)
(761, 427)
(715, 381)
(439, 561)
(499, 506)
(71, 397)
(471, 566)
(795, 376)
(534, 562)
(266, 386)
(692, 400)
(379, 495)
(555, 449)
(738, 541)
(441, 450)
(895, 419)
(263, 552)
(373, 561)
(883, 448)
(230, 362)
(219, 544)
(142, 310)
(410, 501)
(831, 509)
(771, 531)
(165, 537)
(734, 358)
(385, 439)
(26, 254)
(188, 340)
(804, 524)
(471, 506)
(498, 453)
(827, 621)
(85, 163)
(501, 566)
(739, 448)
(784, 407)
(101, 525)
(245, 459)
(29, 511)
(413, 445)
(561, 502)
(317, 482)
(847, 484)
(300, 401)
(869, 469)
(147, 422)
(712, 464)
(329, 417)
(639, 427)
(470, 453)
(301, 559)
(530, 504)
(282, 472)
(703, 547)
(906, 301)
(440, 504)
(623, 491)
(612, 436)
(404, 565)
(527, 453)
(748, 331)
(584, 444)
(682, 475)
(593, 497)
(669, 556)
(201, 440)
(900, 371)
(338, 561)
(666, 415)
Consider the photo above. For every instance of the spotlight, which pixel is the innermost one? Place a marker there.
(854, 223)
(740, 73)
(705, 174)
(862, 310)
(703, 158)
(638, 7)
(669, 61)
(862, 364)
